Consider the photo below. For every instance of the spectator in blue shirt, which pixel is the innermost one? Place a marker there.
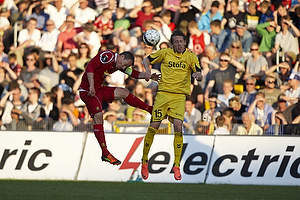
(266, 12)
(36, 11)
(261, 110)
(209, 16)
(221, 38)
(244, 36)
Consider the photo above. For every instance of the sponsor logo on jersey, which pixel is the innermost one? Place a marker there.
(106, 73)
(176, 65)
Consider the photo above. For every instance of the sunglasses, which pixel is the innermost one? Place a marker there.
(223, 60)
(235, 47)
(184, 7)
(30, 59)
(249, 83)
(254, 49)
(271, 81)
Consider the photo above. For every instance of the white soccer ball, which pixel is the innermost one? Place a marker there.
(151, 37)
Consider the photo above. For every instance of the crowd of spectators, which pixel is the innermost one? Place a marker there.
(248, 51)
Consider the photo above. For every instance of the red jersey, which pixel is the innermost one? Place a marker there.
(103, 26)
(172, 26)
(102, 65)
(198, 44)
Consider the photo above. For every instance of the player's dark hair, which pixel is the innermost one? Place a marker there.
(128, 56)
(177, 32)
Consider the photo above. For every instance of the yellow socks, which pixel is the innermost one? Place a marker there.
(148, 140)
(178, 143)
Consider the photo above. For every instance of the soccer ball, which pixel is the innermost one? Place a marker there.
(151, 37)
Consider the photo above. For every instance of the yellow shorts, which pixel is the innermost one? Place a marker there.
(168, 104)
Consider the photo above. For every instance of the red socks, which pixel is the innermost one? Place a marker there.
(99, 134)
(136, 102)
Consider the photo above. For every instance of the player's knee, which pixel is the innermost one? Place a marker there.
(121, 93)
(98, 118)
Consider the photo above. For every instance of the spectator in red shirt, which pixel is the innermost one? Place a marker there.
(142, 13)
(65, 40)
(166, 17)
(103, 24)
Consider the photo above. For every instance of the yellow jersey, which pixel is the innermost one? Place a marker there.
(176, 69)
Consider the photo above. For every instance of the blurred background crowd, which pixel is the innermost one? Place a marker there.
(248, 51)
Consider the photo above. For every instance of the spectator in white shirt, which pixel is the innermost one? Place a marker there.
(221, 129)
(49, 38)
(83, 13)
(57, 12)
(28, 37)
(90, 37)
(63, 124)
(227, 88)
(249, 127)
(191, 116)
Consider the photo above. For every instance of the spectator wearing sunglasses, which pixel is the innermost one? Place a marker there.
(256, 65)
(293, 93)
(261, 110)
(224, 72)
(248, 96)
(244, 36)
(271, 93)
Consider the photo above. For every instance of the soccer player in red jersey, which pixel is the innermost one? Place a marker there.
(93, 93)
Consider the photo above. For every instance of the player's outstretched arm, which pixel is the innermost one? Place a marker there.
(154, 76)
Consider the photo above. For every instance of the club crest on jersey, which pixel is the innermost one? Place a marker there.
(97, 108)
(104, 58)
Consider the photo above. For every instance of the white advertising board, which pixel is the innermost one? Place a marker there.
(128, 148)
(255, 160)
(40, 155)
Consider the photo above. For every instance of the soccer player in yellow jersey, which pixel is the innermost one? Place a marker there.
(177, 65)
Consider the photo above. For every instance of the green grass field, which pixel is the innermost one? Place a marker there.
(65, 190)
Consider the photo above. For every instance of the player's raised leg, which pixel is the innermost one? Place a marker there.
(131, 99)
